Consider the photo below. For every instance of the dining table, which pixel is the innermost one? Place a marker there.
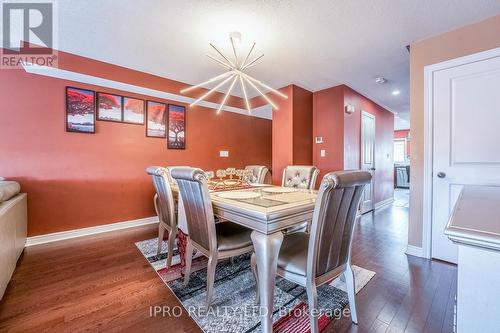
(267, 210)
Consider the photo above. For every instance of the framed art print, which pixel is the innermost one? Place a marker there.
(176, 127)
(133, 110)
(80, 110)
(109, 107)
(156, 119)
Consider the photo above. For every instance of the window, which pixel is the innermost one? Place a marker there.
(399, 151)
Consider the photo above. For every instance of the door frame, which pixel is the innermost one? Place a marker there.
(372, 187)
(429, 71)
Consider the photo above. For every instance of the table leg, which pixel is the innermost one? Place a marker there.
(267, 248)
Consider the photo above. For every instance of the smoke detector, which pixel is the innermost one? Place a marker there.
(380, 80)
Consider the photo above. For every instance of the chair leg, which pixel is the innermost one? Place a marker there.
(171, 242)
(212, 264)
(189, 259)
(161, 234)
(253, 264)
(351, 292)
(312, 298)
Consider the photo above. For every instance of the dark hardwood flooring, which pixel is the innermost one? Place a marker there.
(103, 284)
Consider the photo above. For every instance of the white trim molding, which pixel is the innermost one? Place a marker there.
(58, 236)
(383, 203)
(264, 111)
(429, 72)
(415, 251)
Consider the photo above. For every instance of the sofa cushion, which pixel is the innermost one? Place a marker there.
(8, 189)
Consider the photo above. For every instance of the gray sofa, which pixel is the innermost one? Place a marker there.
(13, 229)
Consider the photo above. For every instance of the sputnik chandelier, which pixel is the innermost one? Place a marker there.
(235, 72)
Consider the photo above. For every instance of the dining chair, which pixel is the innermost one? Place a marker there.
(313, 259)
(259, 173)
(165, 209)
(169, 170)
(215, 241)
(300, 176)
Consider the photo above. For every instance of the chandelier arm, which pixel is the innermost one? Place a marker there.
(248, 55)
(245, 94)
(227, 94)
(222, 55)
(211, 91)
(199, 85)
(220, 62)
(261, 93)
(262, 84)
(252, 62)
(234, 51)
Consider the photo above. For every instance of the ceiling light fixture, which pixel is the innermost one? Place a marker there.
(235, 73)
(380, 80)
(396, 92)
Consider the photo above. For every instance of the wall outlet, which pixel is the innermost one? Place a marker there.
(224, 153)
(318, 139)
(322, 153)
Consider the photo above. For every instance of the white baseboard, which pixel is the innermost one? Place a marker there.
(415, 251)
(383, 203)
(57, 236)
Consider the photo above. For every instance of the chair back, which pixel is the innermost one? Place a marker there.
(169, 170)
(334, 219)
(300, 176)
(164, 200)
(258, 173)
(195, 196)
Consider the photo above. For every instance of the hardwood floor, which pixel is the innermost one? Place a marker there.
(102, 283)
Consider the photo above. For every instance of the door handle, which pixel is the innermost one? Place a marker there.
(441, 174)
(373, 169)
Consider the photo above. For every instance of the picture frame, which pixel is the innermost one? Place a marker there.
(133, 110)
(176, 122)
(109, 107)
(156, 114)
(80, 110)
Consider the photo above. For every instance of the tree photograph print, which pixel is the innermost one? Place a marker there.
(80, 110)
(156, 116)
(176, 127)
(110, 107)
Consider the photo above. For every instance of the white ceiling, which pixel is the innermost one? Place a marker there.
(314, 44)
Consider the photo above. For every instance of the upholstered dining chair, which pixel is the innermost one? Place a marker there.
(215, 241)
(169, 170)
(165, 209)
(313, 259)
(259, 173)
(300, 176)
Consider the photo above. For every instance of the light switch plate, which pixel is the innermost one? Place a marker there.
(224, 153)
(322, 153)
(318, 139)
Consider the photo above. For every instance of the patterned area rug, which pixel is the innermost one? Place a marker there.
(233, 308)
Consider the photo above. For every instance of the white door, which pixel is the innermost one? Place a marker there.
(466, 145)
(368, 156)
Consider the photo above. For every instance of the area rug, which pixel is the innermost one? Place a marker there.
(233, 304)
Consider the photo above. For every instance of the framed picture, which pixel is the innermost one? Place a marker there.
(80, 110)
(156, 119)
(133, 110)
(109, 107)
(176, 127)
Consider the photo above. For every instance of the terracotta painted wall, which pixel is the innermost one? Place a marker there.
(328, 122)
(403, 134)
(78, 180)
(384, 131)
(471, 39)
(292, 130)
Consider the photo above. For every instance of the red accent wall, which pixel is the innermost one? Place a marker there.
(292, 130)
(328, 122)
(341, 134)
(76, 180)
(403, 134)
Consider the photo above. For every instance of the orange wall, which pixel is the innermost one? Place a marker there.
(76, 180)
(464, 41)
(341, 134)
(328, 122)
(292, 130)
(403, 134)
